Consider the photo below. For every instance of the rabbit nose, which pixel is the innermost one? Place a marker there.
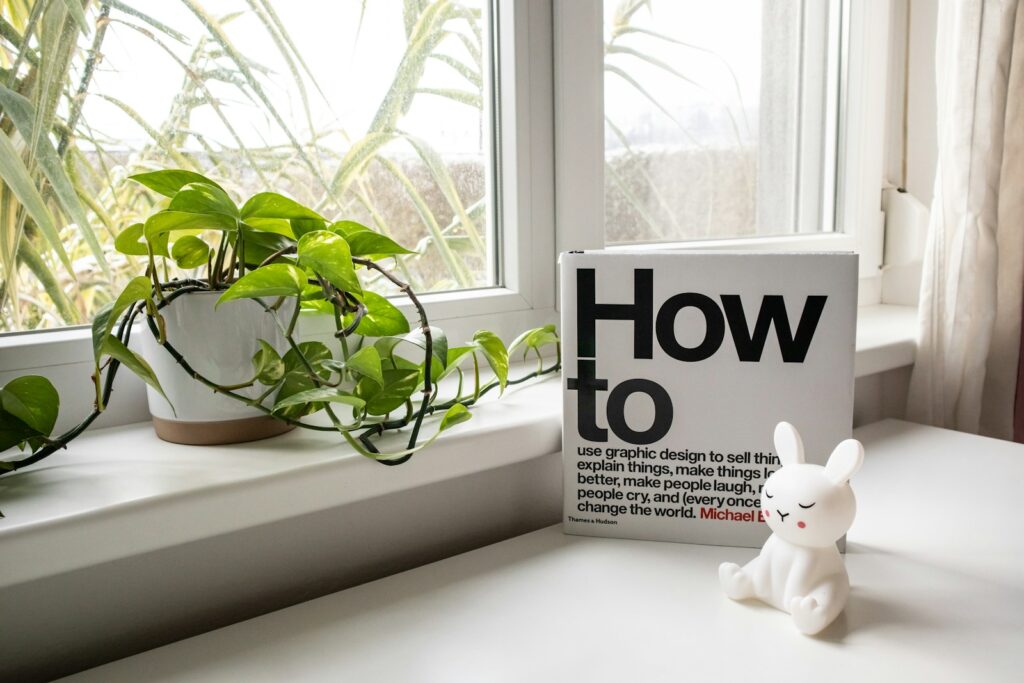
(782, 515)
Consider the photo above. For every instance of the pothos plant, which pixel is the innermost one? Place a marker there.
(384, 377)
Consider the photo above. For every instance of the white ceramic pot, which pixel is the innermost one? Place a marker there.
(218, 344)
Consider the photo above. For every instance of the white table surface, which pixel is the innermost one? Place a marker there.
(935, 558)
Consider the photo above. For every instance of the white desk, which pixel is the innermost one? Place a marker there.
(936, 559)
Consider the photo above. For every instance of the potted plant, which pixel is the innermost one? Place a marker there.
(221, 356)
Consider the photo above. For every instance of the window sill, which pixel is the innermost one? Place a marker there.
(131, 521)
(100, 500)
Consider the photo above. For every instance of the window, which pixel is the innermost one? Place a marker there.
(513, 100)
(719, 118)
(804, 158)
(377, 112)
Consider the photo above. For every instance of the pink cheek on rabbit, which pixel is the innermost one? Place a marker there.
(801, 525)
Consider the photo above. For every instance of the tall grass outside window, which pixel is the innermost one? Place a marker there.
(377, 112)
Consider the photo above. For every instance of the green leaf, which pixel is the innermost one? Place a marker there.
(295, 383)
(297, 379)
(203, 198)
(273, 205)
(316, 353)
(18, 179)
(277, 226)
(363, 241)
(300, 226)
(457, 414)
(438, 342)
(134, 362)
(494, 351)
(128, 242)
(455, 356)
(366, 243)
(167, 221)
(366, 362)
(328, 255)
(32, 400)
(347, 228)
(13, 432)
(168, 182)
(137, 289)
(276, 279)
(23, 113)
(320, 395)
(190, 252)
(534, 339)
(396, 389)
(382, 318)
(259, 245)
(267, 364)
(318, 307)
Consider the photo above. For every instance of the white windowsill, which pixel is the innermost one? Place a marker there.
(102, 499)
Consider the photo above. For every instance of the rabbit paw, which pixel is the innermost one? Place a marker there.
(734, 580)
(809, 615)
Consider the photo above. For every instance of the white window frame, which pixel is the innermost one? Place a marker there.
(550, 157)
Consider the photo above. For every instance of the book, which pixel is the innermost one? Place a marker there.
(676, 368)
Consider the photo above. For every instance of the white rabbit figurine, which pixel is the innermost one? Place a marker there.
(808, 508)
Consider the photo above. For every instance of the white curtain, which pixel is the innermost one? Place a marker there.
(965, 375)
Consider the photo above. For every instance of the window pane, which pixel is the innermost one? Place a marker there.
(376, 112)
(717, 118)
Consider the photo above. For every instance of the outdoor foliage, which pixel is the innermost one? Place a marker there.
(66, 195)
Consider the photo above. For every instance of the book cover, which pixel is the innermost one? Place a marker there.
(677, 367)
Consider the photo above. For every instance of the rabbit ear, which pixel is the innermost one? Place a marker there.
(788, 445)
(844, 462)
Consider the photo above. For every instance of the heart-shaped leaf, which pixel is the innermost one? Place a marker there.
(367, 243)
(33, 401)
(396, 389)
(295, 383)
(438, 344)
(328, 255)
(347, 228)
(277, 279)
(320, 395)
(259, 245)
(534, 339)
(455, 356)
(168, 221)
(12, 433)
(494, 351)
(168, 182)
(134, 362)
(366, 363)
(137, 289)
(129, 242)
(267, 364)
(190, 252)
(273, 205)
(203, 198)
(300, 226)
(382, 317)
(457, 414)
(315, 354)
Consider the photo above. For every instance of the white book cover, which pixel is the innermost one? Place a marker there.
(677, 367)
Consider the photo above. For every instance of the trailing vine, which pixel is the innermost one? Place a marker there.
(270, 251)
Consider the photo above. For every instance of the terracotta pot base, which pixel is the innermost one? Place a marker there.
(224, 432)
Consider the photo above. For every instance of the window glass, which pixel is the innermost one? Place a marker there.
(370, 111)
(717, 118)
